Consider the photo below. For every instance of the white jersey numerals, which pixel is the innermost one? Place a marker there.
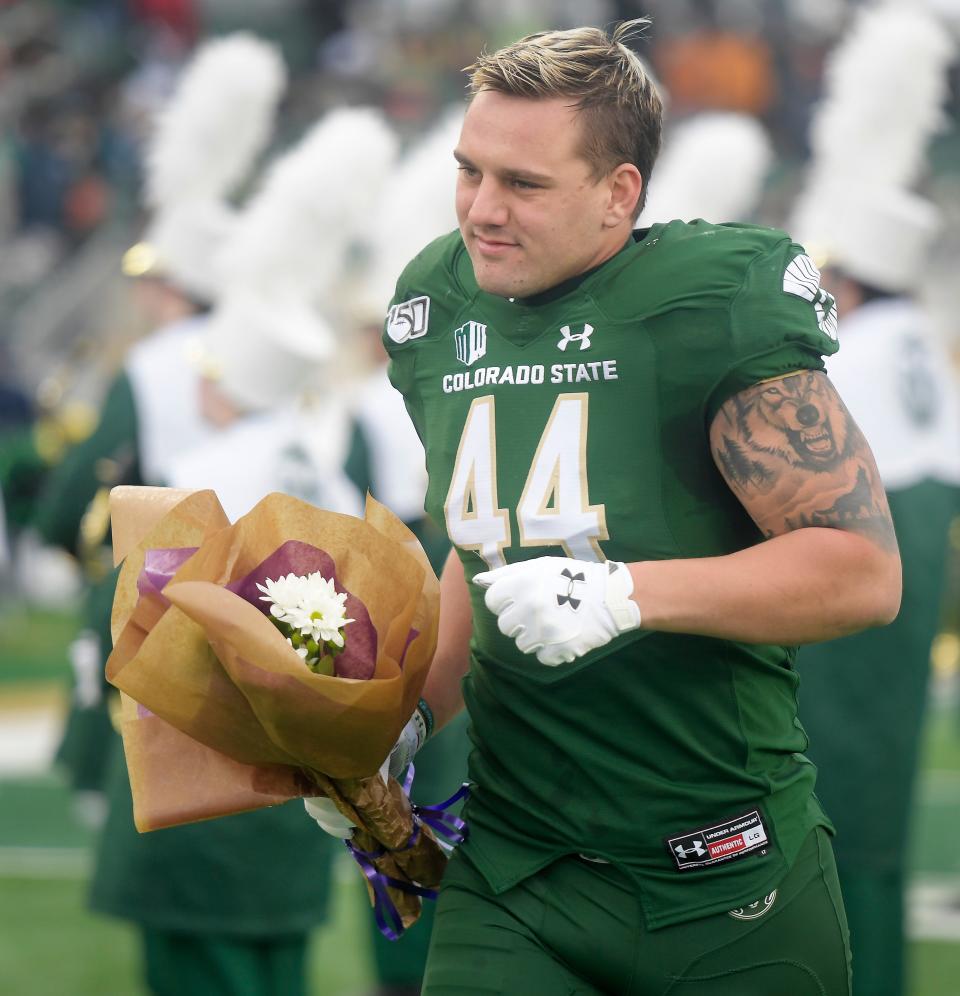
(554, 507)
(474, 522)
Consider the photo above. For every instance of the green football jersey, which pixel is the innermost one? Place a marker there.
(576, 424)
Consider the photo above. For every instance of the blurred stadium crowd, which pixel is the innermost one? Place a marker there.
(81, 84)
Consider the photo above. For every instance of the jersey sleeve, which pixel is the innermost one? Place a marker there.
(418, 312)
(407, 318)
(780, 320)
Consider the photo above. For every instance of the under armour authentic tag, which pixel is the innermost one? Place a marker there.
(721, 842)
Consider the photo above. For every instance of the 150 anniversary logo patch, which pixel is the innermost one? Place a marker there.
(409, 319)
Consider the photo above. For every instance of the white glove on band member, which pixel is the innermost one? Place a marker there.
(559, 608)
(411, 739)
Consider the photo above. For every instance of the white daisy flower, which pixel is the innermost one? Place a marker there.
(310, 612)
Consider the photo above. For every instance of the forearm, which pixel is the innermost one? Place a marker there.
(805, 586)
(442, 690)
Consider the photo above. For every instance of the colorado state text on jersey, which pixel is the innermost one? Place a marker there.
(536, 373)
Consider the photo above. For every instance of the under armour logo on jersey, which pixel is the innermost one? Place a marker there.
(802, 279)
(568, 598)
(582, 337)
(696, 848)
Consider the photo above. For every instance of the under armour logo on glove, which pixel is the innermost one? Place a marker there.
(532, 603)
(568, 598)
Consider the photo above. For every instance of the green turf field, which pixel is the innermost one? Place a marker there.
(50, 945)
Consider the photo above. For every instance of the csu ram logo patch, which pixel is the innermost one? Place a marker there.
(802, 279)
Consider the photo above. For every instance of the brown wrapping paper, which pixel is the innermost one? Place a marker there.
(219, 713)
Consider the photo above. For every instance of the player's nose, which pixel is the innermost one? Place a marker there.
(488, 206)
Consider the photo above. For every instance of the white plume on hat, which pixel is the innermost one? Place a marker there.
(713, 166)
(417, 206)
(885, 85)
(313, 202)
(283, 266)
(217, 122)
(205, 143)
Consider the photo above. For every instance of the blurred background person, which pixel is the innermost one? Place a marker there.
(862, 698)
(714, 166)
(152, 410)
(224, 906)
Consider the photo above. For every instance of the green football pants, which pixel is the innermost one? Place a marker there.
(576, 929)
(182, 964)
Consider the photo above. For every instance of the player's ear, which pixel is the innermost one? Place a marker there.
(625, 184)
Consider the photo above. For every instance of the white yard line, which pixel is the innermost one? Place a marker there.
(940, 787)
(933, 909)
(28, 740)
(44, 862)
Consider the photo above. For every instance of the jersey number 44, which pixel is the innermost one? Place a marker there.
(554, 506)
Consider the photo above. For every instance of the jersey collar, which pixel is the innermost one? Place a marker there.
(522, 320)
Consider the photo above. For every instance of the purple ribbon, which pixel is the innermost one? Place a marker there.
(455, 830)
(389, 921)
(443, 823)
(160, 565)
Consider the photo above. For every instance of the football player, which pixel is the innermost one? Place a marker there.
(654, 494)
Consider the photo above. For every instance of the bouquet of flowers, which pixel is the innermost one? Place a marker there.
(274, 658)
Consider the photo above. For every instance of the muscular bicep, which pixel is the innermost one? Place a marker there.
(792, 454)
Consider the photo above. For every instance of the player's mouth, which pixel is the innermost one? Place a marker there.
(493, 247)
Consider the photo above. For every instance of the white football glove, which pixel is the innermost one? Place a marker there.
(328, 817)
(558, 608)
(411, 739)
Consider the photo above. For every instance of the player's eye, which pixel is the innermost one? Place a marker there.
(468, 171)
(773, 392)
(524, 184)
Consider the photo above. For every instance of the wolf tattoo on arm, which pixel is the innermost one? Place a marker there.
(791, 452)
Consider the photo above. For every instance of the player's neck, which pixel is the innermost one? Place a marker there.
(572, 283)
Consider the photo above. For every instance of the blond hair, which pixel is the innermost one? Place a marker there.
(621, 109)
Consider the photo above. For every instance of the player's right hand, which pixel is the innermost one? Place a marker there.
(411, 739)
(559, 608)
(328, 817)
